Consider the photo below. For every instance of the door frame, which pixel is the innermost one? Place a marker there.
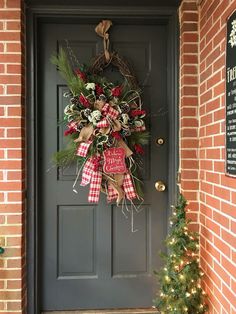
(35, 15)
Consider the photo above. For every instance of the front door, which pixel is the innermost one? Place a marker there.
(90, 258)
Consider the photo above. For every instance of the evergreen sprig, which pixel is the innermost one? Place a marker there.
(65, 157)
(180, 289)
(74, 82)
(141, 138)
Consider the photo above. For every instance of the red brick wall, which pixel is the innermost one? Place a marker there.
(12, 173)
(188, 94)
(217, 192)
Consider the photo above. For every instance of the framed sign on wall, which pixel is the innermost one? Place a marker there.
(231, 96)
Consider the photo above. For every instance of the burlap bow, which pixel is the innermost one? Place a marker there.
(102, 30)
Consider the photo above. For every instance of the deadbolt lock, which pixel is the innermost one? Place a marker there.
(160, 186)
(160, 141)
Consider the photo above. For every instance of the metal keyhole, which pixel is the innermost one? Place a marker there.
(160, 141)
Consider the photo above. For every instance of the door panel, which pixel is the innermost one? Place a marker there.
(71, 241)
(89, 256)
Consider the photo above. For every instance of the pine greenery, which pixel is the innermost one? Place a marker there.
(141, 138)
(73, 81)
(65, 157)
(180, 289)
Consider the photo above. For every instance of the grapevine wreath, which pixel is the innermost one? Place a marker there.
(105, 125)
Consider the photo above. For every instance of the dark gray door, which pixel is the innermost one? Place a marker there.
(90, 259)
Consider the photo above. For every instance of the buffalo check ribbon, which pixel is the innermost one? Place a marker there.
(83, 149)
(93, 177)
(95, 187)
(103, 123)
(110, 112)
(128, 187)
(87, 172)
(111, 193)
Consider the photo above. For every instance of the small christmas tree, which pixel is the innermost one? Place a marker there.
(180, 289)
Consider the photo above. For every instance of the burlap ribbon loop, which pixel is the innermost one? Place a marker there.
(85, 133)
(102, 30)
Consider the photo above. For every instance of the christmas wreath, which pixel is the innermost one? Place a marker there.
(105, 126)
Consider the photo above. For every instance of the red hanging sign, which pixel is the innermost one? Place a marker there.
(114, 160)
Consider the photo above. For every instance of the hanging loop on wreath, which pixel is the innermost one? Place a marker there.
(102, 30)
(107, 57)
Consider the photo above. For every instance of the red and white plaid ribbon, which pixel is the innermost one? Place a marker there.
(110, 112)
(95, 187)
(103, 123)
(87, 172)
(128, 187)
(83, 149)
(111, 193)
(90, 175)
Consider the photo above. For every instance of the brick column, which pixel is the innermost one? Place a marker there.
(189, 162)
(12, 156)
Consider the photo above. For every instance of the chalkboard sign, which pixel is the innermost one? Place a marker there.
(231, 96)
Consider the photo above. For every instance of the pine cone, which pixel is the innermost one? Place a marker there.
(124, 108)
(75, 100)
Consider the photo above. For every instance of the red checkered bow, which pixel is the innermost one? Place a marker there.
(87, 172)
(83, 149)
(128, 187)
(94, 177)
(95, 187)
(111, 193)
(103, 123)
(110, 112)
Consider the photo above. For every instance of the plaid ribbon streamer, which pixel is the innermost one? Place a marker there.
(87, 172)
(95, 187)
(103, 123)
(111, 193)
(83, 149)
(110, 112)
(128, 187)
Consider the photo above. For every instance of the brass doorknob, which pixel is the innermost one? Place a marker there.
(160, 186)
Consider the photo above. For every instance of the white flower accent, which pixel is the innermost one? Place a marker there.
(125, 118)
(67, 109)
(138, 123)
(94, 116)
(90, 86)
(232, 35)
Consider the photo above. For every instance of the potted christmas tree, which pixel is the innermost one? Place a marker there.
(179, 279)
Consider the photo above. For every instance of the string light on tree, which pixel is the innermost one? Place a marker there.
(180, 288)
